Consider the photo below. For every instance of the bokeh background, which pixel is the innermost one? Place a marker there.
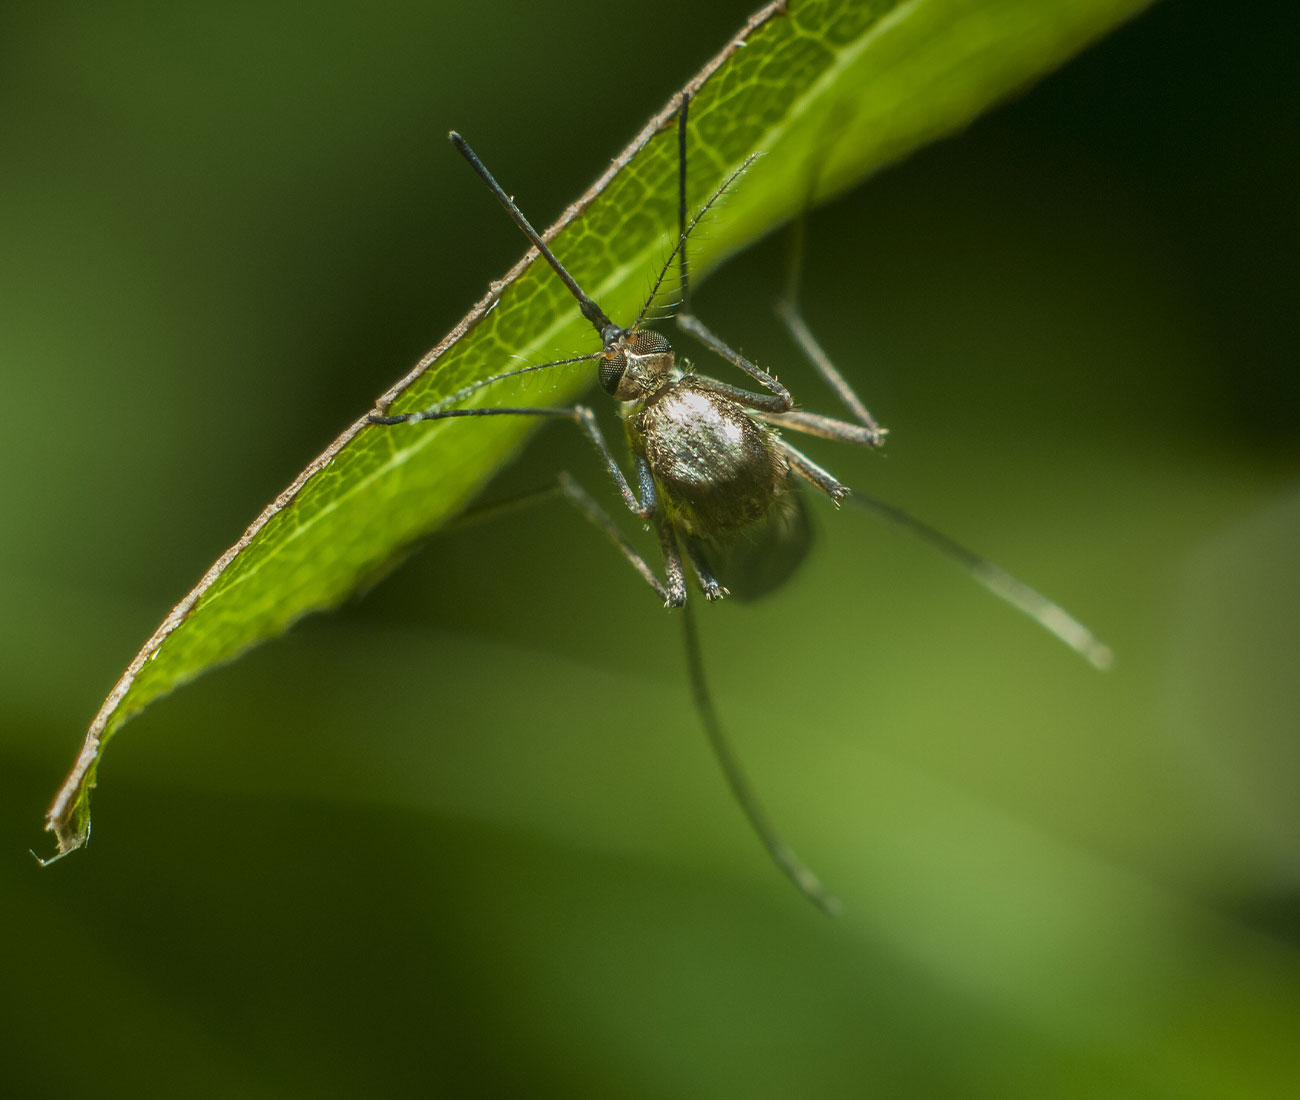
(464, 836)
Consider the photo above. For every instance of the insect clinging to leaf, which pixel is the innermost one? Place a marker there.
(712, 471)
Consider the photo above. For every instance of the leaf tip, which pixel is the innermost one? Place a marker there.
(69, 822)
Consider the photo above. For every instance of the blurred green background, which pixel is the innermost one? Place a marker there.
(464, 837)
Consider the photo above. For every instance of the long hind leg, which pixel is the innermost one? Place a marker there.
(791, 315)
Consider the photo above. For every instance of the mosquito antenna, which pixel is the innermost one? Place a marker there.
(680, 246)
(682, 264)
(462, 393)
(603, 325)
(1050, 616)
(798, 872)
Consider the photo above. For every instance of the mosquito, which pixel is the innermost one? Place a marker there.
(712, 473)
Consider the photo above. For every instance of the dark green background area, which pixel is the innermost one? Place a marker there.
(464, 837)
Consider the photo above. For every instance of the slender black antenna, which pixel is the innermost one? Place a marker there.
(683, 266)
(434, 411)
(796, 870)
(605, 328)
(680, 246)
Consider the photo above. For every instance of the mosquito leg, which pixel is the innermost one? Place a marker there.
(672, 562)
(709, 584)
(1046, 613)
(778, 401)
(782, 855)
(643, 504)
(807, 469)
(826, 427)
(790, 315)
(798, 328)
(674, 593)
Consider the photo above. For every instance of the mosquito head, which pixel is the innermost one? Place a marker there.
(636, 364)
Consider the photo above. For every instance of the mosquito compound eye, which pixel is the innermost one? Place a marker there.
(611, 372)
(649, 342)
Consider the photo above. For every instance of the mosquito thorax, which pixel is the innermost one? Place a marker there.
(636, 364)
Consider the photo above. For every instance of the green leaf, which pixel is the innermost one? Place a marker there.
(828, 90)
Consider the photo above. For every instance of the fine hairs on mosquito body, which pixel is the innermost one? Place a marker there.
(712, 474)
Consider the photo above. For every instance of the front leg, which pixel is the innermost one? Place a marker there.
(779, 400)
(673, 593)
